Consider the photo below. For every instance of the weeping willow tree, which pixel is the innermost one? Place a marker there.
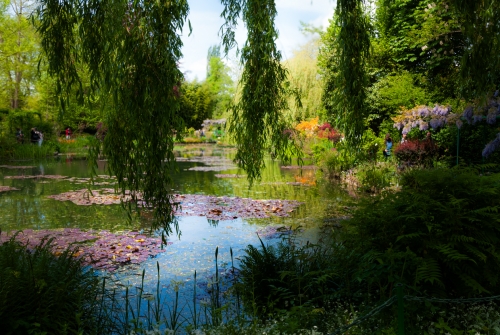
(132, 50)
(258, 123)
(344, 57)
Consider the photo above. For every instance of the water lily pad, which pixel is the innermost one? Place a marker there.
(215, 208)
(101, 250)
(212, 168)
(294, 167)
(40, 176)
(84, 197)
(16, 167)
(8, 188)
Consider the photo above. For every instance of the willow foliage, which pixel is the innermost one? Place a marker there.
(258, 123)
(132, 50)
(345, 54)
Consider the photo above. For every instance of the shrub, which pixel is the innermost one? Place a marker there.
(46, 294)
(416, 152)
(327, 131)
(320, 147)
(375, 177)
(439, 235)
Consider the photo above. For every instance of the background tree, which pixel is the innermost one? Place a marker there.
(18, 54)
(303, 74)
(219, 82)
(196, 104)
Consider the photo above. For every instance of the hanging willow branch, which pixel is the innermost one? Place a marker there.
(132, 50)
(258, 123)
(345, 85)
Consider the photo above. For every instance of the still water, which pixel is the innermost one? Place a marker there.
(29, 208)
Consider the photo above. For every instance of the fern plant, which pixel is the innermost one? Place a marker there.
(440, 234)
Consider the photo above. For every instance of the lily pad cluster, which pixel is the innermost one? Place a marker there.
(215, 163)
(228, 208)
(40, 176)
(212, 168)
(8, 188)
(110, 250)
(101, 250)
(16, 167)
(208, 160)
(297, 167)
(85, 197)
(215, 208)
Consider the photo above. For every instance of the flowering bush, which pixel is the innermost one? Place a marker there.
(423, 117)
(416, 152)
(327, 131)
(308, 127)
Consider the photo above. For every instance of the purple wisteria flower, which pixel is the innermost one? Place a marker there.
(435, 123)
(423, 112)
(492, 146)
(424, 126)
(491, 118)
(398, 125)
(495, 94)
(468, 113)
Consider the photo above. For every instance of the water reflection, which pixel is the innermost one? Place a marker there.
(194, 249)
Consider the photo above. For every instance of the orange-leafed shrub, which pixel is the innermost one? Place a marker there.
(308, 127)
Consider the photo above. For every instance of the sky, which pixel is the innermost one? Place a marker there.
(206, 21)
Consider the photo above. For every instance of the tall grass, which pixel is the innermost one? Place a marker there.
(41, 293)
(76, 145)
(33, 151)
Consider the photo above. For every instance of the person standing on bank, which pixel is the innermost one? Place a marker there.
(34, 136)
(68, 133)
(388, 145)
(40, 138)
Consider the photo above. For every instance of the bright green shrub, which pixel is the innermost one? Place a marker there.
(339, 159)
(374, 177)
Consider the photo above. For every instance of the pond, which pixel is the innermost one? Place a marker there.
(203, 170)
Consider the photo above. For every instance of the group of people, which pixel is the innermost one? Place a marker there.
(36, 136)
